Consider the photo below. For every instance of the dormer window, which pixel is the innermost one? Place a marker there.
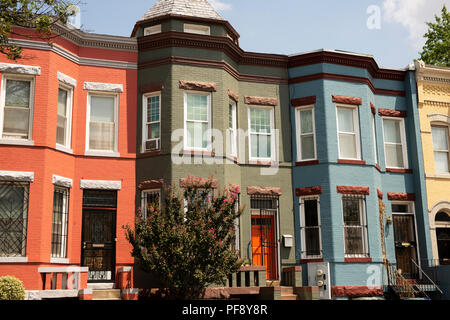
(152, 30)
(197, 29)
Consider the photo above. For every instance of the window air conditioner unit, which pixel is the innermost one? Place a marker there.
(151, 145)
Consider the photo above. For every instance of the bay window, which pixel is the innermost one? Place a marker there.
(63, 125)
(355, 227)
(261, 131)
(151, 133)
(306, 140)
(16, 110)
(102, 123)
(394, 143)
(197, 121)
(348, 132)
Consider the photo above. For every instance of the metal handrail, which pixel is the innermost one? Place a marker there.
(422, 272)
(397, 280)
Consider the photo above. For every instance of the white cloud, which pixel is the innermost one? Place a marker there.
(219, 5)
(412, 14)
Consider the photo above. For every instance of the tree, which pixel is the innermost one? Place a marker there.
(37, 15)
(437, 48)
(188, 242)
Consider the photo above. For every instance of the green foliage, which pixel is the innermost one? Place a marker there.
(437, 48)
(11, 288)
(39, 15)
(188, 248)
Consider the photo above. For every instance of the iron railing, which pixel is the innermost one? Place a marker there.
(401, 286)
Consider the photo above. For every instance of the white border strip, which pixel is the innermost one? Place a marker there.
(16, 176)
(67, 80)
(104, 87)
(62, 181)
(20, 69)
(101, 184)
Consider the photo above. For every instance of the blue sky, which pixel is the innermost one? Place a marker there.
(393, 35)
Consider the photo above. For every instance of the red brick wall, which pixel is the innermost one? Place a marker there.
(44, 160)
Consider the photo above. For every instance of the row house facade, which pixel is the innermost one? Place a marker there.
(324, 146)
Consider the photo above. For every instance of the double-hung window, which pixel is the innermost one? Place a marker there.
(102, 123)
(16, 110)
(261, 131)
(310, 227)
(63, 124)
(395, 143)
(13, 218)
(150, 198)
(355, 226)
(232, 129)
(151, 133)
(306, 139)
(374, 131)
(60, 222)
(197, 129)
(441, 148)
(348, 132)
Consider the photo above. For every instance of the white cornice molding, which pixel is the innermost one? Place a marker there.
(20, 69)
(429, 73)
(16, 176)
(62, 181)
(39, 45)
(104, 87)
(437, 117)
(67, 80)
(101, 184)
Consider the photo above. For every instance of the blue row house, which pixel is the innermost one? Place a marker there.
(359, 193)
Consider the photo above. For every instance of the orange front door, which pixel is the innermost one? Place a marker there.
(263, 244)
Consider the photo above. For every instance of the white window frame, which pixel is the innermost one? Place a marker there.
(403, 141)
(271, 134)
(363, 219)
(232, 132)
(31, 79)
(69, 107)
(357, 133)
(374, 131)
(299, 134)
(303, 227)
(447, 127)
(93, 152)
(145, 124)
(197, 29)
(148, 31)
(209, 131)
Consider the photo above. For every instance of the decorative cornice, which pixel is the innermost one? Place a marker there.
(392, 113)
(261, 101)
(430, 73)
(347, 100)
(197, 85)
(351, 60)
(214, 64)
(310, 191)
(340, 77)
(264, 191)
(305, 101)
(234, 96)
(401, 196)
(353, 190)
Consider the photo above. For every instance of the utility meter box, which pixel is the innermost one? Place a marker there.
(319, 276)
(288, 241)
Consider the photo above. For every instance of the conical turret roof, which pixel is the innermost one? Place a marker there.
(191, 8)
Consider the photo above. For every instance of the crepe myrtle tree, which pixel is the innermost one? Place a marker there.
(187, 242)
(34, 19)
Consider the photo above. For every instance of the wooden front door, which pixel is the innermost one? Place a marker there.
(405, 244)
(263, 244)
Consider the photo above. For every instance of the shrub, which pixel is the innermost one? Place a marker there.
(11, 288)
